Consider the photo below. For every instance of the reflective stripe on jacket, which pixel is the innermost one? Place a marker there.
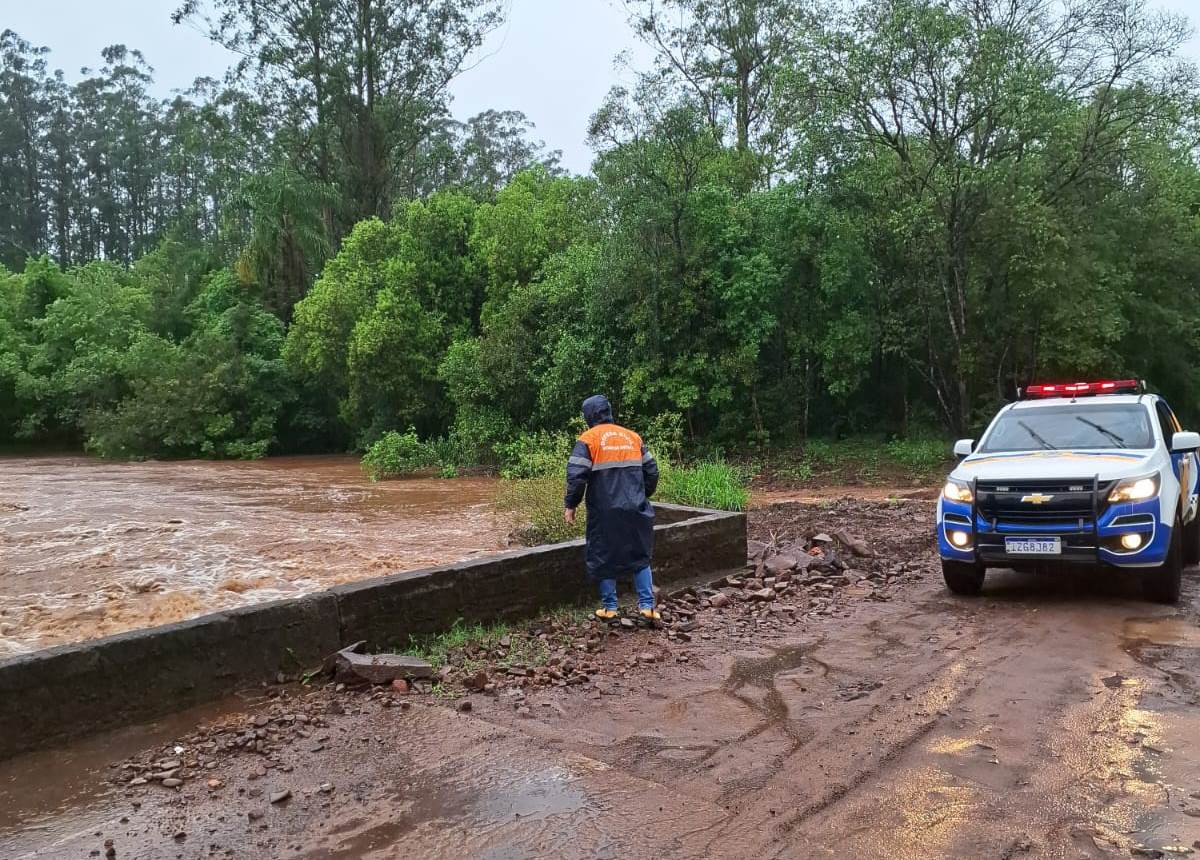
(612, 468)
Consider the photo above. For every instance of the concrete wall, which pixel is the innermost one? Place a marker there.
(72, 690)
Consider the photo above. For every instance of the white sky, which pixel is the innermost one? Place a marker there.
(553, 59)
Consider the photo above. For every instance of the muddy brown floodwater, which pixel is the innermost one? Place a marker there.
(89, 547)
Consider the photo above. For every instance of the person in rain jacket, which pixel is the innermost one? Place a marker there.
(612, 468)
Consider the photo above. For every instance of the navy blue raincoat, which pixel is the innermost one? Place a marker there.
(612, 468)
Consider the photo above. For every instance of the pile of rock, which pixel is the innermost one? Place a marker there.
(279, 726)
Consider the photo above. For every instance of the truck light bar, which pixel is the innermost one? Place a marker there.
(1076, 389)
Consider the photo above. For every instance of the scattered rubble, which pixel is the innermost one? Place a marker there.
(795, 570)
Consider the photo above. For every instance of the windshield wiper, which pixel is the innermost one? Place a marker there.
(1037, 438)
(1110, 434)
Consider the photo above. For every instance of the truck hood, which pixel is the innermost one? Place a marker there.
(1108, 464)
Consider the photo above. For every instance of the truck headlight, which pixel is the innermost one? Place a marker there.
(1135, 489)
(957, 491)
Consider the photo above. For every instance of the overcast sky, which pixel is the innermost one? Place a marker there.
(553, 59)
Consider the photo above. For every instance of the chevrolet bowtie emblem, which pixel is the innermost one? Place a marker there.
(1036, 499)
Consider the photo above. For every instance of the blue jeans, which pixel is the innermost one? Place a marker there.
(643, 583)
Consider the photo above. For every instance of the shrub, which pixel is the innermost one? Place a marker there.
(476, 433)
(535, 455)
(664, 437)
(397, 454)
(921, 456)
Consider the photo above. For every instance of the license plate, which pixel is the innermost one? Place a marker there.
(1033, 546)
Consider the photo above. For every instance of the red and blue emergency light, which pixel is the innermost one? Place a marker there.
(1078, 389)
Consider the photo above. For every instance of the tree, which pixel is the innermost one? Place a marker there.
(23, 111)
(287, 240)
(357, 84)
(727, 56)
(496, 147)
(370, 333)
(218, 393)
(982, 107)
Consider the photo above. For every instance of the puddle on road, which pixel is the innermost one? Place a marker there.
(1170, 632)
(445, 805)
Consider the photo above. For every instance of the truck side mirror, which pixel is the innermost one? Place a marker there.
(964, 447)
(1185, 442)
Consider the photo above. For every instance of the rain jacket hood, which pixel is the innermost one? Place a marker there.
(597, 410)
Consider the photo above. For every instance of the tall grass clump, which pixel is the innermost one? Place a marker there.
(535, 505)
(712, 484)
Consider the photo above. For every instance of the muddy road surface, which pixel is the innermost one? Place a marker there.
(91, 547)
(863, 713)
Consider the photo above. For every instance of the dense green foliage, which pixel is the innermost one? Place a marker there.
(799, 223)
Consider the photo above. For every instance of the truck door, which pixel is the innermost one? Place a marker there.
(1185, 465)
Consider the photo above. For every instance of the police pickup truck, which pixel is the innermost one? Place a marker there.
(1089, 473)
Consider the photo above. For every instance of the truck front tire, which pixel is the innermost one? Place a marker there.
(1162, 584)
(962, 577)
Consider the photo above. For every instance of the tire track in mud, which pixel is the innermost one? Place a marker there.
(1045, 668)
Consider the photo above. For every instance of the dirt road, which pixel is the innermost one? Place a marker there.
(1048, 718)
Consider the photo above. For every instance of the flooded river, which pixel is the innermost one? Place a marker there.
(89, 547)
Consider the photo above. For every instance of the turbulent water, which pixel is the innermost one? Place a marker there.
(89, 548)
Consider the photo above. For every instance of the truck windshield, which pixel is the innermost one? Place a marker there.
(1072, 428)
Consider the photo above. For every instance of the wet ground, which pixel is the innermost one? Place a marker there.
(91, 547)
(1052, 717)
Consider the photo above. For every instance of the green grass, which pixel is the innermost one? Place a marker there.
(714, 484)
(921, 456)
(858, 460)
(451, 646)
(535, 505)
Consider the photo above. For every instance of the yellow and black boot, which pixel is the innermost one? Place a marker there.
(649, 617)
(607, 616)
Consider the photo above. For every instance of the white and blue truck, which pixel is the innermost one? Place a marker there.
(1085, 473)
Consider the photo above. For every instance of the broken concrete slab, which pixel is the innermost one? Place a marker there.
(857, 546)
(778, 564)
(379, 668)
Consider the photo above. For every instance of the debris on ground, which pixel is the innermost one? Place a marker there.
(352, 665)
(795, 571)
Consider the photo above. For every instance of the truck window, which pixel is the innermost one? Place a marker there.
(1166, 420)
(1079, 427)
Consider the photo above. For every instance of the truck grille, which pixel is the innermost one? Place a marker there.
(1040, 502)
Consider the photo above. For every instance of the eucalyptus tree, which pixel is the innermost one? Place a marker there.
(357, 85)
(23, 109)
(479, 156)
(728, 56)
